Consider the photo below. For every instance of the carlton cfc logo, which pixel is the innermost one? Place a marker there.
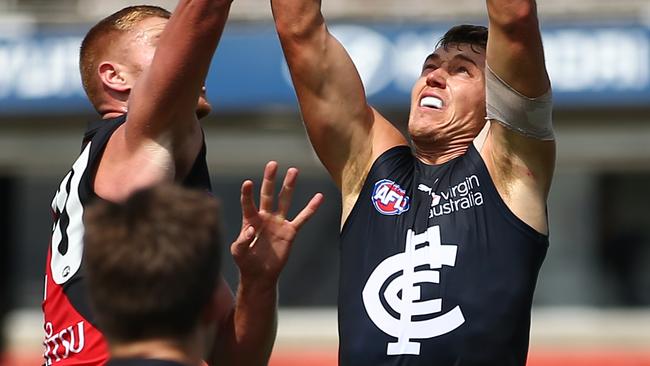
(389, 198)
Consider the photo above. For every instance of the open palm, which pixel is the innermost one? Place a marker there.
(264, 243)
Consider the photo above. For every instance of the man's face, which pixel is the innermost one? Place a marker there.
(448, 100)
(139, 47)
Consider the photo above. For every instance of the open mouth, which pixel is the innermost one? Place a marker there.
(431, 102)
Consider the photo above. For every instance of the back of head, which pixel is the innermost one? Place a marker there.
(474, 35)
(152, 262)
(105, 35)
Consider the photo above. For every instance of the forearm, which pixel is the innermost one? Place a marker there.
(512, 14)
(305, 43)
(296, 19)
(514, 51)
(254, 326)
(172, 84)
(191, 36)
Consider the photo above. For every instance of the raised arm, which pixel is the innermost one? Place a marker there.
(165, 97)
(522, 148)
(261, 251)
(515, 51)
(346, 133)
(161, 137)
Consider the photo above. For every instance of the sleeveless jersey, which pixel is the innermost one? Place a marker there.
(71, 337)
(435, 269)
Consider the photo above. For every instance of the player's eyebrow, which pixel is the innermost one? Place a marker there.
(464, 58)
(435, 57)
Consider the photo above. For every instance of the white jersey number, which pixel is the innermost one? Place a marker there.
(68, 229)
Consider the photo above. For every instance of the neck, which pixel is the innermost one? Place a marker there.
(440, 152)
(110, 115)
(186, 351)
(442, 146)
(112, 108)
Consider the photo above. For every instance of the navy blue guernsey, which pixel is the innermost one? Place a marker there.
(435, 269)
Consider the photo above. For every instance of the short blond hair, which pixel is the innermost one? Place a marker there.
(102, 36)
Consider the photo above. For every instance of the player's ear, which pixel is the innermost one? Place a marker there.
(112, 76)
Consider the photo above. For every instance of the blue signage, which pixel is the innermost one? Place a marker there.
(590, 65)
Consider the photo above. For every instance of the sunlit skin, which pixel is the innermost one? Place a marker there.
(137, 49)
(456, 76)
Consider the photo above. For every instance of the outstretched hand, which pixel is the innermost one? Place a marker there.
(264, 243)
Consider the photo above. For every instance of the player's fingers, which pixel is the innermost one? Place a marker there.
(244, 241)
(248, 208)
(308, 211)
(286, 193)
(267, 190)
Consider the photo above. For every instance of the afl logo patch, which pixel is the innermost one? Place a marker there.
(389, 198)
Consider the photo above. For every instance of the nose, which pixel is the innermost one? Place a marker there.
(437, 78)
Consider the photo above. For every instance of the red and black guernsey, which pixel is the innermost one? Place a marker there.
(435, 269)
(71, 336)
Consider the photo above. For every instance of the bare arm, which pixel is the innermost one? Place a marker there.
(247, 326)
(261, 252)
(515, 51)
(522, 167)
(164, 98)
(161, 136)
(346, 133)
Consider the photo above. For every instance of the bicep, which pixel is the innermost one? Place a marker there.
(522, 169)
(332, 100)
(521, 160)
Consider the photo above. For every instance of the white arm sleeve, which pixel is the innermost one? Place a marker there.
(531, 117)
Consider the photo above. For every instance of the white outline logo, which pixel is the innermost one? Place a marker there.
(403, 293)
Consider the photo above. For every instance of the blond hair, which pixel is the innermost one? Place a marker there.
(102, 36)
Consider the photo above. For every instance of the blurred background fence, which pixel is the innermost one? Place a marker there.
(592, 305)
